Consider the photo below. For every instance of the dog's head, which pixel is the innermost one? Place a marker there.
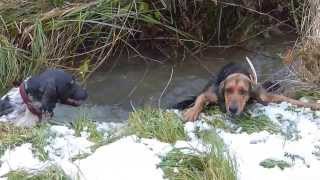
(236, 90)
(71, 93)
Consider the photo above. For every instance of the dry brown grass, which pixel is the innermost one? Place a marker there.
(308, 54)
(310, 62)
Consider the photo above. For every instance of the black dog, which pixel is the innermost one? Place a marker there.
(37, 96)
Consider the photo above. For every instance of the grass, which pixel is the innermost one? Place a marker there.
(153, 123)
(310, 94)
(79, 35)
(190, 164)
(251, 124)
(51, 173)
(218, 119)
(246, 122)
(307, 49)
(12, 136)
(82, 35)
(84, 124)
(14, 64)
(271, 163)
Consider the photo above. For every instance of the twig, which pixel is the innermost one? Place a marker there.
(254, 73)
(165, 89)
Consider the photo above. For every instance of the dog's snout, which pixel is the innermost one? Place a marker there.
(233, 110)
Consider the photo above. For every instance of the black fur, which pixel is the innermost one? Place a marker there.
(5, 106)
(229, 69)
(54, 86)
(184, 104)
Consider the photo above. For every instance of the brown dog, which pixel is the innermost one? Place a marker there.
(232, 89)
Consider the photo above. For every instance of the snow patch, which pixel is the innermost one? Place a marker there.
(251, 149)
(127, 158)
(20, 158)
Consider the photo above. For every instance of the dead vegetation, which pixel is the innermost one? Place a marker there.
(308, 53)
(83, 35)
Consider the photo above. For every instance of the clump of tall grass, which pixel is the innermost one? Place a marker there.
(306, 54)
(73, 34)
(13, 64)
(155, 123)
(190, 164)
(84, 124)
(52, 173)
(17, 63)
(12, 136)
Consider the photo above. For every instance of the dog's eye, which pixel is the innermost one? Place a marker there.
(229, 90)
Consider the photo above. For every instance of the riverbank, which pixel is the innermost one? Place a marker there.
(82, 36)
(278, 141)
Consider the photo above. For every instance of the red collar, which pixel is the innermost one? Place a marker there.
(28, 102)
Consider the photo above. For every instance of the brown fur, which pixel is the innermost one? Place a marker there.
(236, 93)
(237, 89)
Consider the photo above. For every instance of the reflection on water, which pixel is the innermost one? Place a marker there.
(114, 93)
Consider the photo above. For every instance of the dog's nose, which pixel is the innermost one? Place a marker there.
(233, 110)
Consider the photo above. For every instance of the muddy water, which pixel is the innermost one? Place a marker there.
(113, 93)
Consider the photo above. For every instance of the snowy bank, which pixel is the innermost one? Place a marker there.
(297, 145)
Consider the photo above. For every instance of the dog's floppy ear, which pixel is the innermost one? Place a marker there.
(221, 90)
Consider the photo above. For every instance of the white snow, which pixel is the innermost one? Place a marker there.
(250, 150)
(62, 146)
(137, 158)
(65, 145)
(20, 158)
(127, 158)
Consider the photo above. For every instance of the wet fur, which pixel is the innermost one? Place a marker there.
(45, 91)
(214, 93)
(215, 83)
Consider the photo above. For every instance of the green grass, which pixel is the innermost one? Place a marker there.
(52, 173)
(271, 163)
(217, 118)
(213, 110)
(216, 164)
(84, 123)
(310, 94)
(79, 35)
(246, 122)
(153, 123)
(39, 141)
(14, 64)
(251, 124)
(12, 136)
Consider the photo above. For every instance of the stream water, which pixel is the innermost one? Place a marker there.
(131, 84)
